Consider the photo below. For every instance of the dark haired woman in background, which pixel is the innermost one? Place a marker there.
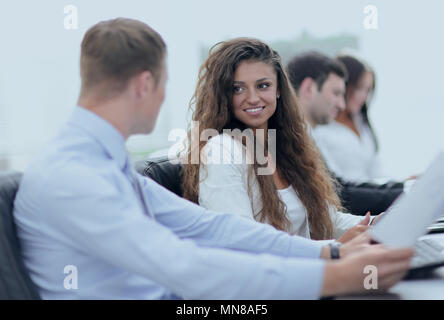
(349, 144)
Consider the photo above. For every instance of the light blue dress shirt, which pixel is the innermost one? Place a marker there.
(76, 207)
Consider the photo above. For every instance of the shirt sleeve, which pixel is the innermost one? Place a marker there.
(95, 214)
(222, 181)
(223, 229)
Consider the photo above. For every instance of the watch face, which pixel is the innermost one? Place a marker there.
(334, 249)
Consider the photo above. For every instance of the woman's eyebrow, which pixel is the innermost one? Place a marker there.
(259, 80)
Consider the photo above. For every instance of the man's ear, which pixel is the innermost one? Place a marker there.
(307, 87)
(144, 83)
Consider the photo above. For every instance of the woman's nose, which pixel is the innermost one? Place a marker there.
(253, 97)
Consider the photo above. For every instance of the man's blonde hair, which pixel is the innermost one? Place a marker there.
(115, 50)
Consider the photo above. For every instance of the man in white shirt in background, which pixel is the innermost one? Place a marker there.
(82, 205)
(319, 83)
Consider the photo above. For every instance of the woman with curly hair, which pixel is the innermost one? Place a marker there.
(242, 87)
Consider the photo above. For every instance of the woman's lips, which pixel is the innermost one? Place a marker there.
(254, 110)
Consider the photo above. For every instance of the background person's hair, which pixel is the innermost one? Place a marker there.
(355, 69)
(115, 50)
(297, 159)
(314, 65)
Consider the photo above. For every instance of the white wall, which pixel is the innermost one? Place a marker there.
(39, 75)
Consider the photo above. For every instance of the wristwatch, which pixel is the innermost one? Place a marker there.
(334, 249)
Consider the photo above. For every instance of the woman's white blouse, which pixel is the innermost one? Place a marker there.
(296, 212)
(224, 182)
(348, 156)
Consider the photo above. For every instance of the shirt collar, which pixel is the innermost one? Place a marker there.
(102, 131)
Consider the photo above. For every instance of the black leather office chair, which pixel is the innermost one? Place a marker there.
(163, 172)
(15, 283)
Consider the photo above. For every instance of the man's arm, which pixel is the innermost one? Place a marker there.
(102, 219)
(190, 221)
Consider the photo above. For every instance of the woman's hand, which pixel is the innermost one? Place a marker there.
(377, 218)
(356, 230)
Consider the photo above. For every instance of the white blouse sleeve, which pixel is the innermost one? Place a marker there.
(223, 184)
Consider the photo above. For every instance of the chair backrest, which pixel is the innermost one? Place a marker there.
(164, 172)
(15, 282)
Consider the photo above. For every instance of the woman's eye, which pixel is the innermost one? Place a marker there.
(263, 85)
(237, 89)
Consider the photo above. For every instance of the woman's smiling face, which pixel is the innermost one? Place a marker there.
(255, 90)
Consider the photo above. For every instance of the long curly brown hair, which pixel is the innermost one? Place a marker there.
(297, 158)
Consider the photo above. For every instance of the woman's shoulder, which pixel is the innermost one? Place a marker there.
(223, 139)
(224, 148)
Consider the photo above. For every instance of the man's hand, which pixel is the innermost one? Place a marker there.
(357, 244)
(347, 275)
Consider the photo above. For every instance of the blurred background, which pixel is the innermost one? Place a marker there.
(39, 59)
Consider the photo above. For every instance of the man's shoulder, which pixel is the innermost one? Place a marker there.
(330, 135)
(326, 128)
(70, 165)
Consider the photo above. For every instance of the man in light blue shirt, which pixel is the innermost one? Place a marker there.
(90, 228)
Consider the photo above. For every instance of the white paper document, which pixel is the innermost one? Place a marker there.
(410, 215)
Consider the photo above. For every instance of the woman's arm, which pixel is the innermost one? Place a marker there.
(223, 182)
